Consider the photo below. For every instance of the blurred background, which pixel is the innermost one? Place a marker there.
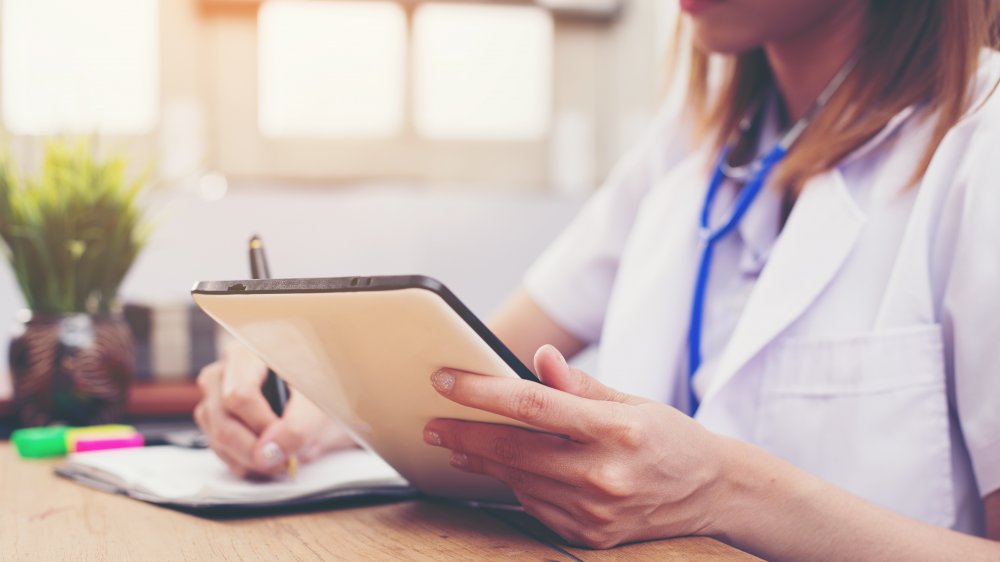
(450, 138)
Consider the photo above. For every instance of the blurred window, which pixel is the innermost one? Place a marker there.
(331, 69)
(72, 66)
(482, 72)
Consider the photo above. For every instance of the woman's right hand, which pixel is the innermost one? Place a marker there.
(243, 430)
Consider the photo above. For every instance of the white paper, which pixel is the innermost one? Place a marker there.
(197, 477)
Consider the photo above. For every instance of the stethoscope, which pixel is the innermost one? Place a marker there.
(754, 174)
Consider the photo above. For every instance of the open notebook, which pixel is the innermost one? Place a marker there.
(196, 479)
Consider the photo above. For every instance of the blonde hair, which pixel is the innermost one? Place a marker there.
(914, 52)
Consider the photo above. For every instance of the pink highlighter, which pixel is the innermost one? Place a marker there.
(109, 442)
(102, 437)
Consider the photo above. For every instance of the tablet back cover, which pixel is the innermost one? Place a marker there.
(366, 359)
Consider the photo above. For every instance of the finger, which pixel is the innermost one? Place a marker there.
(229, 435)
(570, 528)
(209, 378)
(217, 382)
(248, 405)
(534, 404)
(287, 435)
(237, 467)
(539, 453)
(555, 372)
(200, 417)
(235, 441)
(520, 481)
(234, 467)
(241, 393)
(552, 516)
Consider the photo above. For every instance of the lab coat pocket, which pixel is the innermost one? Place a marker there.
(868, 413)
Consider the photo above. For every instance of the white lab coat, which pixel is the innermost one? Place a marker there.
(868, 352)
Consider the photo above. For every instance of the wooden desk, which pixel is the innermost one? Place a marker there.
(44, 517)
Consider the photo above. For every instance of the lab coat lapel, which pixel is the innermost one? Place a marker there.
(817, 238)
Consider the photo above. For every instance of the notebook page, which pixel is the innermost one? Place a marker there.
(197, 477)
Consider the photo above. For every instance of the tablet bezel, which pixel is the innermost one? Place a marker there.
(361, 284)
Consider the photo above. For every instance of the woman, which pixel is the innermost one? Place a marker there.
(828, 316)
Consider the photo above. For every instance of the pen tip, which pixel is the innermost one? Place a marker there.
(255, 242)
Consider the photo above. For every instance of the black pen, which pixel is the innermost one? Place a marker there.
(274, 389)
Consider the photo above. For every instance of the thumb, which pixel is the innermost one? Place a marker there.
(554, 372)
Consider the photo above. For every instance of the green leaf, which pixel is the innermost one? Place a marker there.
(72, 232)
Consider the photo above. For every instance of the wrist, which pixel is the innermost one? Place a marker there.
(731, 488)
(758, 495)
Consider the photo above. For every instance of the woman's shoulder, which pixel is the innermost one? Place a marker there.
(965, 182)
(666, 141)
(670, 134)
(977, 133)
(985, 91)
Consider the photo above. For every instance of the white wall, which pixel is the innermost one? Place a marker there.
(479, 244)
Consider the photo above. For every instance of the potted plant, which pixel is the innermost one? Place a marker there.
(70, 235)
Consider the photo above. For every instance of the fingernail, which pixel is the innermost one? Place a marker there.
(272, 453)
(461, 460)
(432, 437)
(443, 381)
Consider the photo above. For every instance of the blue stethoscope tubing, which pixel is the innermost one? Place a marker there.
(760, 170)
(709, 237)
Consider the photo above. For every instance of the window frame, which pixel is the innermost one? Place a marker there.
(245, 152)
(197, 36)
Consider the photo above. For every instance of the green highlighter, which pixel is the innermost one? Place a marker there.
(40, 442)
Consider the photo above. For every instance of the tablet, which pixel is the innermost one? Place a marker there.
(363, 349)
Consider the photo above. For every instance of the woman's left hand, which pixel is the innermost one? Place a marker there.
(610, 467)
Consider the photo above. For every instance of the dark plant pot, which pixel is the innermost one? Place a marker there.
(73, 369)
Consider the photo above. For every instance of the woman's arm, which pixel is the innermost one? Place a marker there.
(523, 327)
(610, 468)
(782, 513)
